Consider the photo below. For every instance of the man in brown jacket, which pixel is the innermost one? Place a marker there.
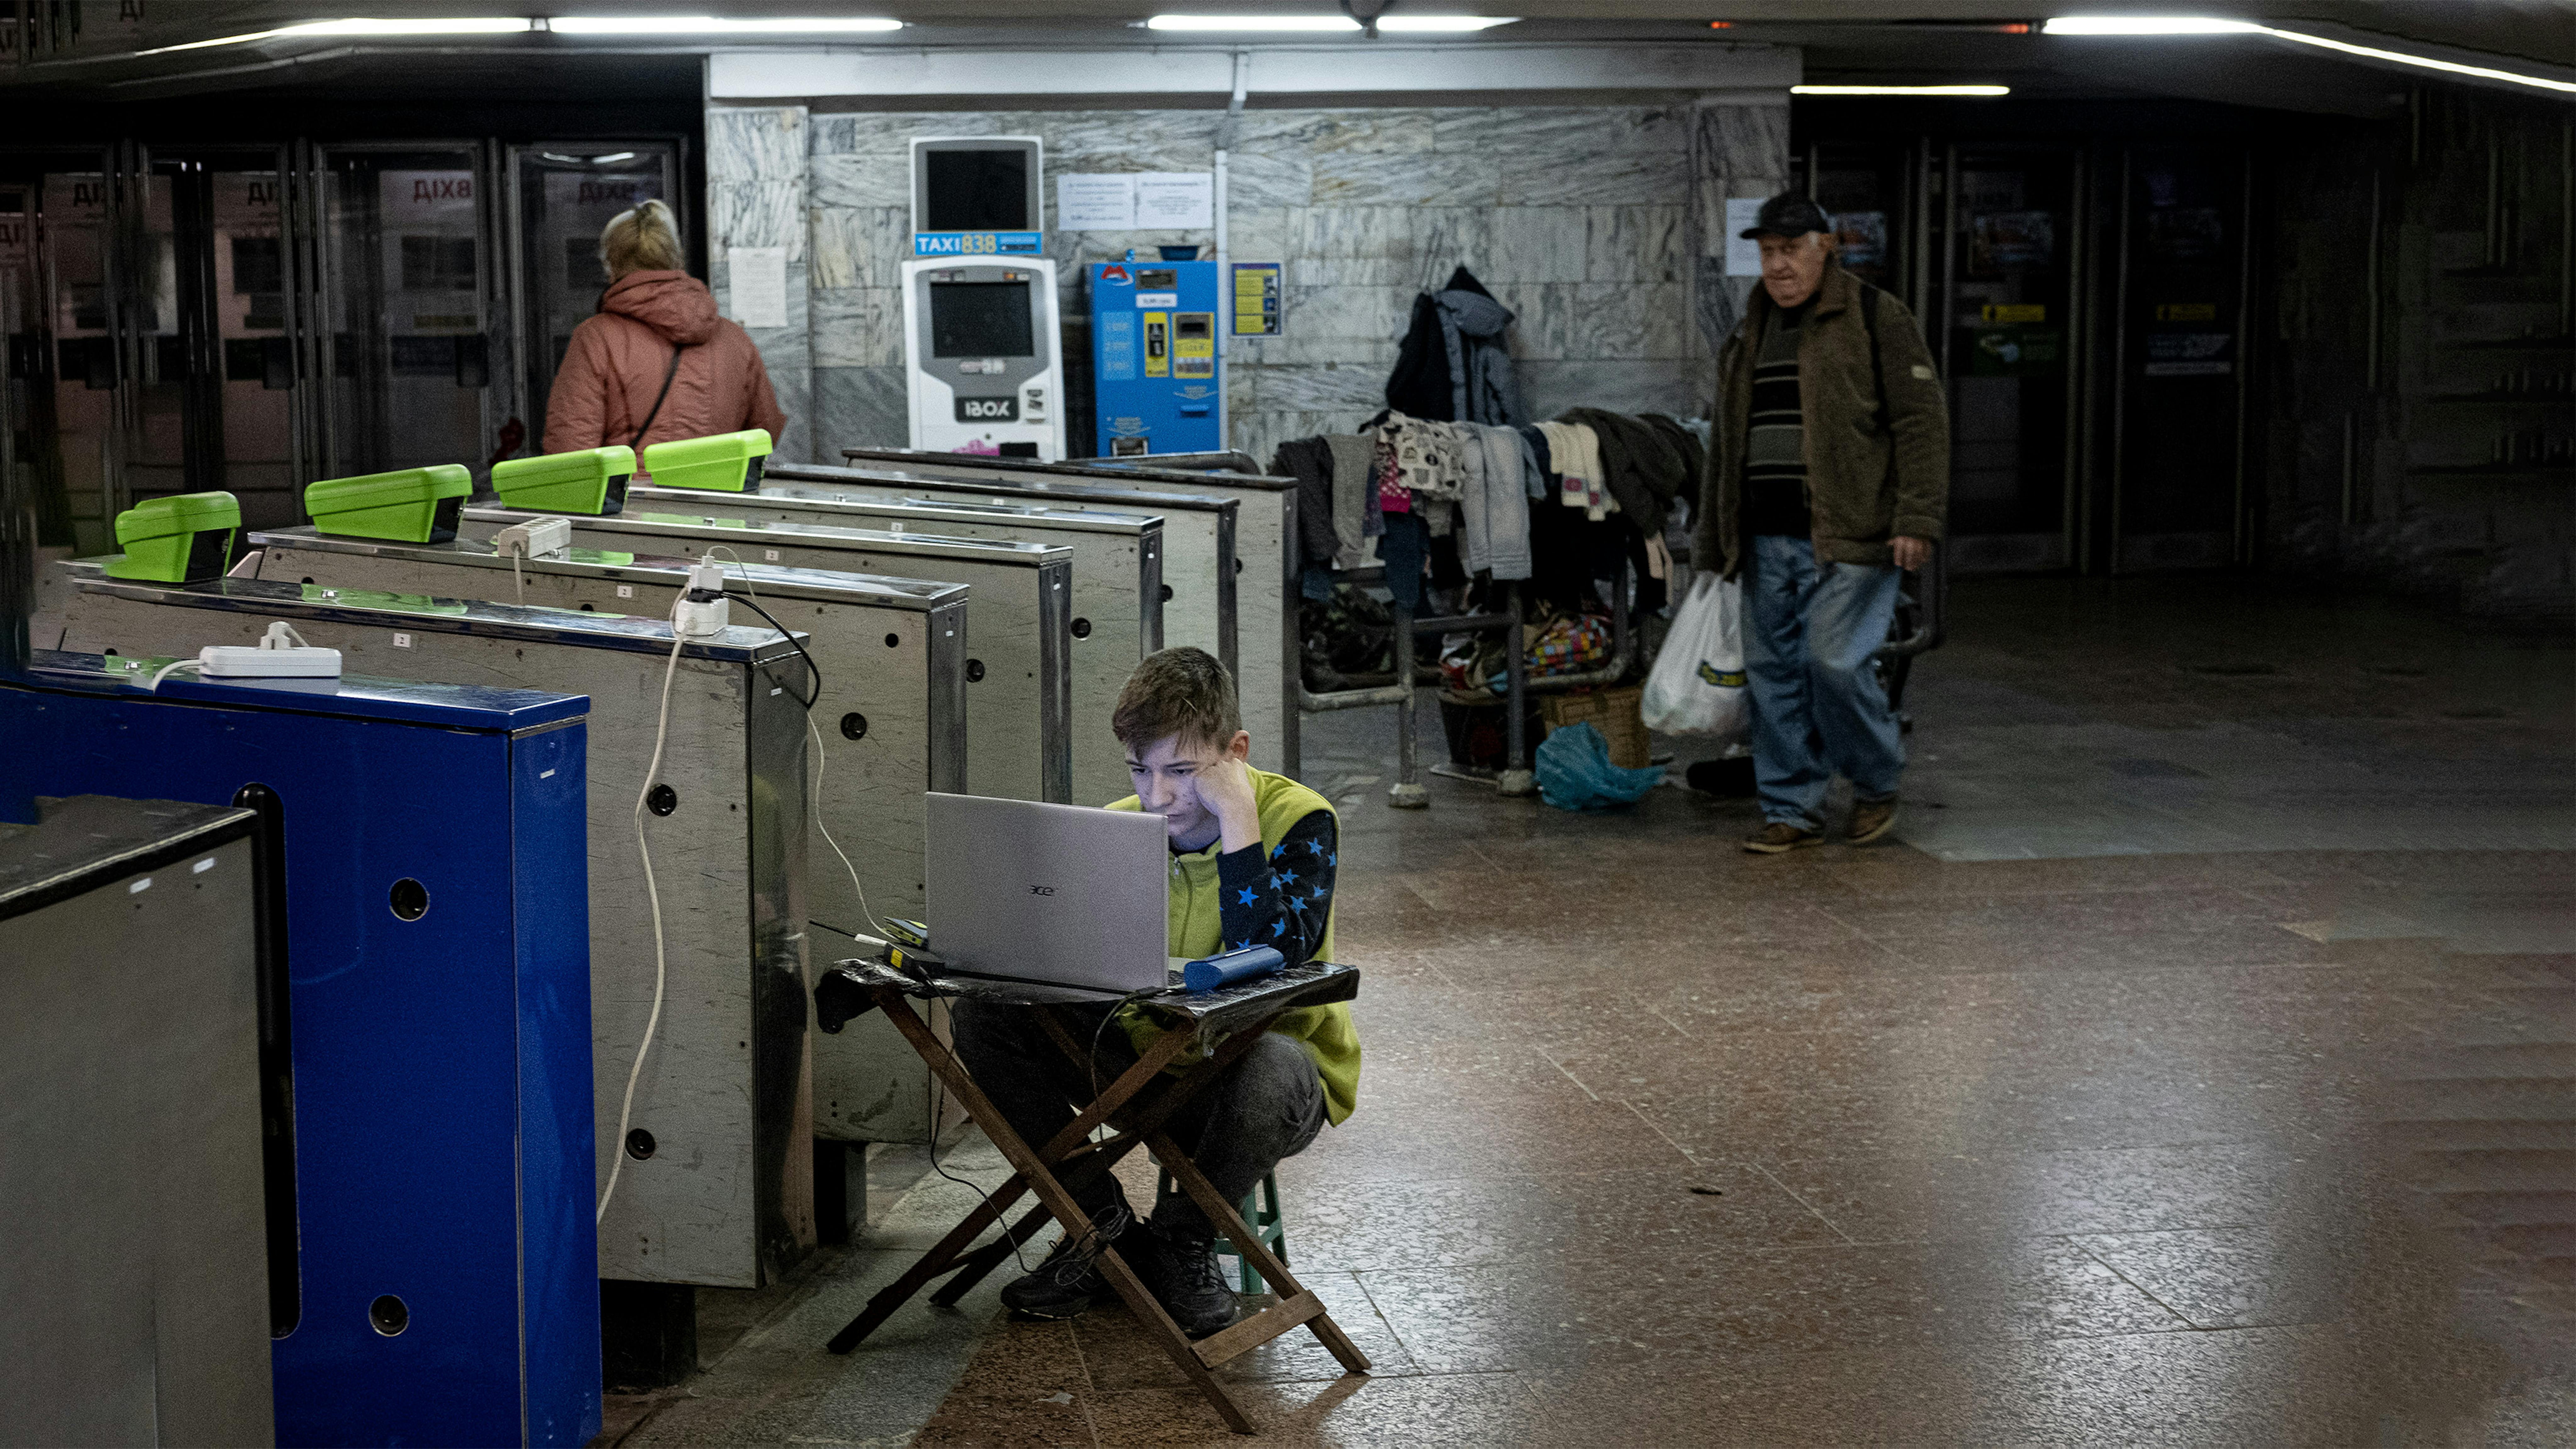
(1829, 474)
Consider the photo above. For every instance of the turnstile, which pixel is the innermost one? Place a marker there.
(435, 1275)
(136, 1259)
(1117, 583)
(717, 1183)
(1018, 699)
(1266, 560)
(891, 720)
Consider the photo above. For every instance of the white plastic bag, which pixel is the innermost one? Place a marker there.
(1697, 684)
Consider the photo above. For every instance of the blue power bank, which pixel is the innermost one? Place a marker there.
(1232, 968)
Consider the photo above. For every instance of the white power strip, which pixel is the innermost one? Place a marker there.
(536, 538)
(280, 654)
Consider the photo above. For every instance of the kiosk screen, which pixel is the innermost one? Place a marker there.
(980, 319)
(977, 190)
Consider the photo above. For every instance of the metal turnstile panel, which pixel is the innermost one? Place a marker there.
(1018, 743)
(440, 1152)
(719, 1191)
(1266, 567)
(1118, 588)
(891, 721)
(135, 1255)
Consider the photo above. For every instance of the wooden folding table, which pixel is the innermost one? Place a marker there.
(1221, 1025)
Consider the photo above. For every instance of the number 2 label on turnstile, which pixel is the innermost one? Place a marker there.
(988, 410)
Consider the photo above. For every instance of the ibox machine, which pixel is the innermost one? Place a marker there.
(980, 340)
(1155, 374)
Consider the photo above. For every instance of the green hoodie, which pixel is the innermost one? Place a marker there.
(1194, 931)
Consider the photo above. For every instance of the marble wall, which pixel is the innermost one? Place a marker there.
(1599, 226)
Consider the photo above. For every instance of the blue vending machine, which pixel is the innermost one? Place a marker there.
(1157, 372)
(434, 1271)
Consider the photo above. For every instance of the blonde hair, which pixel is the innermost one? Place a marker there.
(641, 239)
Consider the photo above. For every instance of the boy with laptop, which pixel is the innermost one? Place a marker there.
(1252, 863)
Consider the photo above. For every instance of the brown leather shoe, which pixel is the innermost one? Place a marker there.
(1872, 819)
(1779, 837)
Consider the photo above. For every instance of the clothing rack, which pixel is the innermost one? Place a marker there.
(1516, 779)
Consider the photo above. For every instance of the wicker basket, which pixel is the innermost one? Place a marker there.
(1614, 712)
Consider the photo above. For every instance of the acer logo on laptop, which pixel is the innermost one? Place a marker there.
(1042, 890)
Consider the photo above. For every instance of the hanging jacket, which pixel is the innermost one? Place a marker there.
(1309, 462)
(1354, 458)
(1639, 464)
(1687, 444)
(615, 364)
(1454, 365)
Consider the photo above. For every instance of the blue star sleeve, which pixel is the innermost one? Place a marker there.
(1286, 899)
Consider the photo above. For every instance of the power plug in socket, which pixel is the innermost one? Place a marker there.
(704, 611)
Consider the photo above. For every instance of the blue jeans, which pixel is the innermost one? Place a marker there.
(1818, 709)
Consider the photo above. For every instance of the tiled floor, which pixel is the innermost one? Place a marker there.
(2197, 1067)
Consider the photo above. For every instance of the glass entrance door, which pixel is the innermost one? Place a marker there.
(2178, 453)
(407, 301)
(562, 193)
(1999, 321)
(217, 383)
(58, 244)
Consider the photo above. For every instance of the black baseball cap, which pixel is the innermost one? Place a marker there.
(1788, 214)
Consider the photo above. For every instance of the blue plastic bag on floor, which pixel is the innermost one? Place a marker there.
(1575, 773)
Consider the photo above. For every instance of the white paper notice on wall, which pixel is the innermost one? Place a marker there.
(1743, 255)
(1095, 201)
(756, 281)
(1175, 200)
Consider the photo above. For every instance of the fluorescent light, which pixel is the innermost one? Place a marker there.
(710, 25)
(2190, 25)
(2148, 25)
(465, 25)
(1443, 22)
(1252, 22)
(2426, 62)
(1900, 90)
(1337, 23)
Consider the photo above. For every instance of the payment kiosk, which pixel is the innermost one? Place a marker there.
(980, 344)
(1154, 357)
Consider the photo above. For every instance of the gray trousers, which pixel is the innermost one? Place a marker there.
(1267, 1105)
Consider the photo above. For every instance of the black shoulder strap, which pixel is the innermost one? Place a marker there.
(1877, 364)
(668, 373)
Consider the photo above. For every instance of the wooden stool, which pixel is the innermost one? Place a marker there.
(1136, 1106)
(1260, 1210)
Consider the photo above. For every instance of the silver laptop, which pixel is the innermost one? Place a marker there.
(1061, 894)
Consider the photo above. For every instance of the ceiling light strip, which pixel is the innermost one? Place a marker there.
(1900, 90)
(2164, 25)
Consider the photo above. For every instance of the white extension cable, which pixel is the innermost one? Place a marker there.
(653, 894)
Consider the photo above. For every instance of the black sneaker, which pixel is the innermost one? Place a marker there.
(1070, 1280)
(1189, 1285)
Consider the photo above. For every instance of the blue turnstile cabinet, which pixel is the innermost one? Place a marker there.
(445, 1286)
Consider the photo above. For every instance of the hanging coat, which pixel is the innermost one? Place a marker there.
(1454, 365)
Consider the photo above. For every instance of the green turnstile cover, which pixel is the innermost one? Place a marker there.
(409, 505)
(591, 481)
(186, 538)
(727, 462)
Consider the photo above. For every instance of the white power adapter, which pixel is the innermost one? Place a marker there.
(536, 538)
(280, 654)
(703, 611)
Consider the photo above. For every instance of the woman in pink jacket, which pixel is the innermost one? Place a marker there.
(657, 363)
